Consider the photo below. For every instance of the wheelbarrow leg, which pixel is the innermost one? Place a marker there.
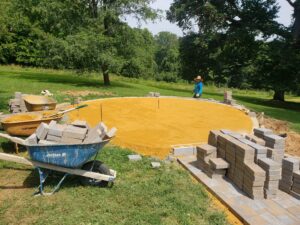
(43, 174)
(17, 148)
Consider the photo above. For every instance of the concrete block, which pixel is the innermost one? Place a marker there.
(52, 123)
(53, 138)
(80, 123)
(262, 131)
(75, 132)
(111, 133)
(68, 140)
(255, 139)
(268, 164)
(103, 127)
(45, 142)
(32, 139)
(206, 149)
(218, 163)
(93, 136)
(56, 129)
(134, 157)
(42, 131)
(291, 164)
(184, 151)
(155, 165)
(213, 137)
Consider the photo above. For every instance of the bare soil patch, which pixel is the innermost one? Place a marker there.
(87, 93)
(280, 127)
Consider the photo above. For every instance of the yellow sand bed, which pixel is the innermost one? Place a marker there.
(151, 125)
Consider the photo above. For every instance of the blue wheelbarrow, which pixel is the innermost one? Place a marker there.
(70, 159)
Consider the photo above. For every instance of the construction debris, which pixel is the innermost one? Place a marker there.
(134, 157)
(153, 94)
(78, 132)
(17, 104)
(155, 165)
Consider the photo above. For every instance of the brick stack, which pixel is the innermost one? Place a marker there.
(213, 137)
(76, 133)
(276, 154)
(254, 179)
(289, 166)
(17, 104)
(255, 139)
(276, 146)
(222, 140)
(260, 151)
(273, 175)
(218, 167)
(204, 154)
(296, 182)
(228, 97)
(244, 154)
(262, 132)
(153, 94)
(230, 157)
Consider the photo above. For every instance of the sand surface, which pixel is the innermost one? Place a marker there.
(150, 125)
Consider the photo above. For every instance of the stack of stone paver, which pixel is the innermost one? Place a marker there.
(275, 141)
(276, 154)
(255, 139)
(213, 138)
(289, 166)
(17, 104)
(262, 132)
(153, 94)
(222, 141)
(230, 156)
(78, 132)
(296, 182)
(276, 146)
(218, 167)
(260, 151)
(244, 154)
(254, 179)
(273, 175)
(204, 154)
(228, 97)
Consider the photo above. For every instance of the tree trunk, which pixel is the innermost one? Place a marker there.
(105, 75)
(296, 26)
(278, 95)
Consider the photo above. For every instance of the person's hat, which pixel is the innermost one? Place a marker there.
(198, 78)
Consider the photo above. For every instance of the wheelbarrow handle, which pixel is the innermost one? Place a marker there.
(13, 139)
(68, 110)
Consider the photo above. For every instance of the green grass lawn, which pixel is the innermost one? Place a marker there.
(30, 80)
(141, 195)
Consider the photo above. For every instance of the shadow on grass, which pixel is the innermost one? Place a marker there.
(269, 103)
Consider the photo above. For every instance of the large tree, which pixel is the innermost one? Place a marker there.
(230, 32)
(39, 32)
(296, 26)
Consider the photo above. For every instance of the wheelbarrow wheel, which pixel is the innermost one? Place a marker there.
(98, 167)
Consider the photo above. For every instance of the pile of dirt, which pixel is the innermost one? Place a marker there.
(87, 93)
(281, 127)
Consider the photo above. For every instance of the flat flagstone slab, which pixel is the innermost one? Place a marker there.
(283, 210)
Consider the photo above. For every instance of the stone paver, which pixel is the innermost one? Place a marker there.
(282, 210)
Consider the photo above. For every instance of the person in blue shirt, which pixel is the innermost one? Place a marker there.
(198, 87)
